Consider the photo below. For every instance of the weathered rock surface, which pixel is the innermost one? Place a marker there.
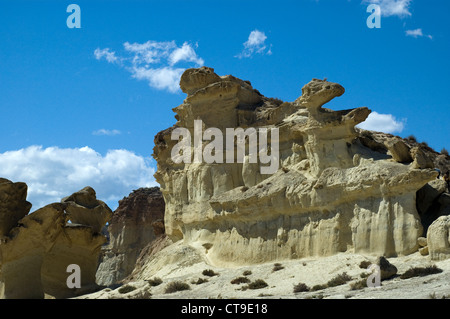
(438, 238)
(35, 253)
(13, 204)
(137, 222)
(331, 193)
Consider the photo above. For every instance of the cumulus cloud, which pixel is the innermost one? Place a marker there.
(255, 44)
(386, 123)
(157, 63)
(417, 33)
(106, 132)
(53, 173)
(389, 8)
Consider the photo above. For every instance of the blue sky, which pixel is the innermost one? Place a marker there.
(81, 106)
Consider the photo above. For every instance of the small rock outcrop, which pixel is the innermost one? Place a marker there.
(330, 192)
(438, 238)
(136, 223)
(13, 204)
(36, 252)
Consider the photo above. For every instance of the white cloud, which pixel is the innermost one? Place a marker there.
(386, 123)
(256, 44)
(417, 33)
(185, 53)
(109, 56)
(162, 78)
(53, 173)
(158, 63)
(106, 132)
(389, 8)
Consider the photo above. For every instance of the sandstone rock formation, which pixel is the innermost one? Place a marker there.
(36, 251)
(13, 204)
(333, 191)
(438, 238)
(136, 223)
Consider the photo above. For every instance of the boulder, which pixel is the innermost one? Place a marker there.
(438, 238)
(387, 270)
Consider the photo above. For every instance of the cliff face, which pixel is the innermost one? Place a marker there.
(138, 221)
(328, 189)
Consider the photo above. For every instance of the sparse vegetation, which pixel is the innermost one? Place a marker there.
(126, 289)
(247, 273)
(277, 267)
(240, 280)
(444, 151)
(364, 264)
(209, 272)
(244, 188)
(421, 271)
(155, 281)
(275, 101)
(319, 287)
(339, 280)
(301, 287)
(434, 296)
(412, 138)
(199, 281)
(335, 281)
(360, 284)
(257, 284)
(175, 286)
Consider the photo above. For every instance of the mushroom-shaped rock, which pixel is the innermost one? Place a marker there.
(84, 208)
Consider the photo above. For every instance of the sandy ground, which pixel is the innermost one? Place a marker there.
(186, 264)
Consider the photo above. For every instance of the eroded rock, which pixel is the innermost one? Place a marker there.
(438, 238)
(136, 223)
(35, 254)
(13, 204)
(330, 194)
